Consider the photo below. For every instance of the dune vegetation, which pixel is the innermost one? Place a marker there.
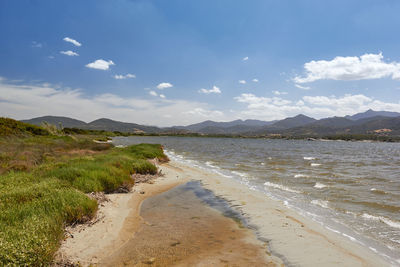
(44, 181)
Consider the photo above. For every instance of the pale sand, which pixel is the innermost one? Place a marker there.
(296, 240)
(119, 219)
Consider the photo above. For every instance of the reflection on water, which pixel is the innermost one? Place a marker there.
(353, 188)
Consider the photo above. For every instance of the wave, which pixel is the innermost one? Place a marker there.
(210, 164)
(321, 203)
(377, 191)
(301, 176)
(281, 187)
(241, 174)
(315, 164)
(308, 158)
(394, 224)
(319, 185)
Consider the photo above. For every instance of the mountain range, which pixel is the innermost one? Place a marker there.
(300, 125)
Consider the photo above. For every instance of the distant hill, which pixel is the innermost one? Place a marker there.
(100, 124)
(334, 122)
(377, 123)
(340, 125)
(291, 122)
(125, 127)
(55, 120)
(361, 123)
(371, 113)
(223, 127)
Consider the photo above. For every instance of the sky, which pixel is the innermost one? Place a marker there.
(179, 62)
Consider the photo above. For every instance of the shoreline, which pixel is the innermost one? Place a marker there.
(294, 239)
(286, 230)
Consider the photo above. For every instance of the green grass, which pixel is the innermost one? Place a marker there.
(48, 190)
(12, 127)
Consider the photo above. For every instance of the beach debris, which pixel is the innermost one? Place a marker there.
(150, 261)
(100, 197)
(124, 188)
(146, 178)
(175, 243)
(142, 192)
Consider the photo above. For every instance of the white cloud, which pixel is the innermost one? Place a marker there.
(255, 80)
(279, 93)
(302, 87)
(162, 96)
(72, 41)
(242, 81)
(162, 86)
(271, 108)
(367, 66)
(122, 77)
(69, 53)
(153, 93)
(36, 44)
(245, 58)
(100, 64)
(23, 101)
(214, 90)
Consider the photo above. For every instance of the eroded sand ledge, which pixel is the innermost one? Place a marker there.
(297, 240)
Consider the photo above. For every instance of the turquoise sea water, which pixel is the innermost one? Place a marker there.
(352, 188)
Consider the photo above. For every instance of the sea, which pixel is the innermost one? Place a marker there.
(351, 188)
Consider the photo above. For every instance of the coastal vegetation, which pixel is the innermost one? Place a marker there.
(45, 178)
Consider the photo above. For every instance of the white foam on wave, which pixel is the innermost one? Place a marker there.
(333, 230)
(262, 163)
(394, 224)
(319, 185)
(354, 240)
(321, 203)
(315, 164)
(301, 176)
(241, 174)
(211, 165)
(281, 187)
(308, 158)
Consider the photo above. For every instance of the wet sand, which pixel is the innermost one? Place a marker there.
(180, 229)
(174, 226)
(168, 223)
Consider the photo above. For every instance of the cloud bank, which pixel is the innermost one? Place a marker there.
(367, 66)
(271, 108)
(28, 101)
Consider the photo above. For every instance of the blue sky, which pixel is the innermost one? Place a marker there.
(180, 62)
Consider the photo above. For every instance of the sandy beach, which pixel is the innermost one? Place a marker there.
(154, 225)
